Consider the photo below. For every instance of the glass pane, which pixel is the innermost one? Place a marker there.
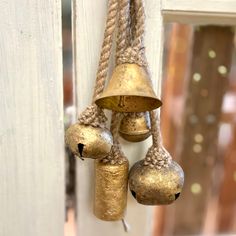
(199, 129)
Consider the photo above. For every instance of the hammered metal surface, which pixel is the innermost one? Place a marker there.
(135, 128)
(152, 186)
(111, 183)
(93, 142)
(129, 90)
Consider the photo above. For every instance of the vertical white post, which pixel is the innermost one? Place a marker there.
(88, 27)
(31, 119)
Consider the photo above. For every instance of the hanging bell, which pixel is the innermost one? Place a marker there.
(111, 183)
(152, 186)
(129, 90)
(135, 127)
(88, 141)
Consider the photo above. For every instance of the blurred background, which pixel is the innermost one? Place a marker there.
(198, 127)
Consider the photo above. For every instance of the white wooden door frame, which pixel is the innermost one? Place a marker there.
(31, 119)
(88, 26)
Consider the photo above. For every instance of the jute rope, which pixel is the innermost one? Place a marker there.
(135, 51)
(116, 155)
(93, 115)
(157, 156)
(123, 28)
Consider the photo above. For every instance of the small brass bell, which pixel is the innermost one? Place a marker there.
(152, 186)
(88, 141)
(129, 90)
(111, 183)
(135, 127)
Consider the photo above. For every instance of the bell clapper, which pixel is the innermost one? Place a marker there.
(121, 103)
(81, 158)
(126, 226)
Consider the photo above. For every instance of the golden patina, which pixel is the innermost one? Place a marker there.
(111, 182)
(153, 186)
(135, 127)
(86, 141)
(129, 90)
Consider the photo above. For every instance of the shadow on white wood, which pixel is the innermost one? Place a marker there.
(31, 119)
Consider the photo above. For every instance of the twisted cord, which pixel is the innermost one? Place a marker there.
(116, 156)
(135, 52)
(132, 22)
(157, 156)
(133, 55)
(106, 48)
(138, 41)
(123, 28)
(93, 115)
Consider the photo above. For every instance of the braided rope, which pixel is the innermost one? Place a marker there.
(135, 53)
(93, 115)
(157, 156)
(132, 22)
(106, 48)
(123, 28)
(138, 41)
(116, 156)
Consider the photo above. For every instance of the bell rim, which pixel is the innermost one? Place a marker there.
(136, 133)
(99, 102)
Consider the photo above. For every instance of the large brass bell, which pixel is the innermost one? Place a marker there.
(129, 90)
(135, 127)
(111, 183)
(89, 142)
(152, 186)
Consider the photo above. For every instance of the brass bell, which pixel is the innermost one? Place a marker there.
(135, 127)
(129, 90)
(88, 141)
(152, 186)
(111, 183)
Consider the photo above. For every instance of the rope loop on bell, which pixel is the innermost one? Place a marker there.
(157, 156)
(133, 56)
(116, 155)
(94, 116)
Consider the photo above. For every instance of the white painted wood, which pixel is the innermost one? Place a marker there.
(88, 27)
(220, 12)
(214, 6)
(31, 119)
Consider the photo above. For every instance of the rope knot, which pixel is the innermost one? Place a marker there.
(116, 156)
(133, 55)
(157, 157)
(94, 116)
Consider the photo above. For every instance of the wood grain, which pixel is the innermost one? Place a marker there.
(88, 27)
(31, 119)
